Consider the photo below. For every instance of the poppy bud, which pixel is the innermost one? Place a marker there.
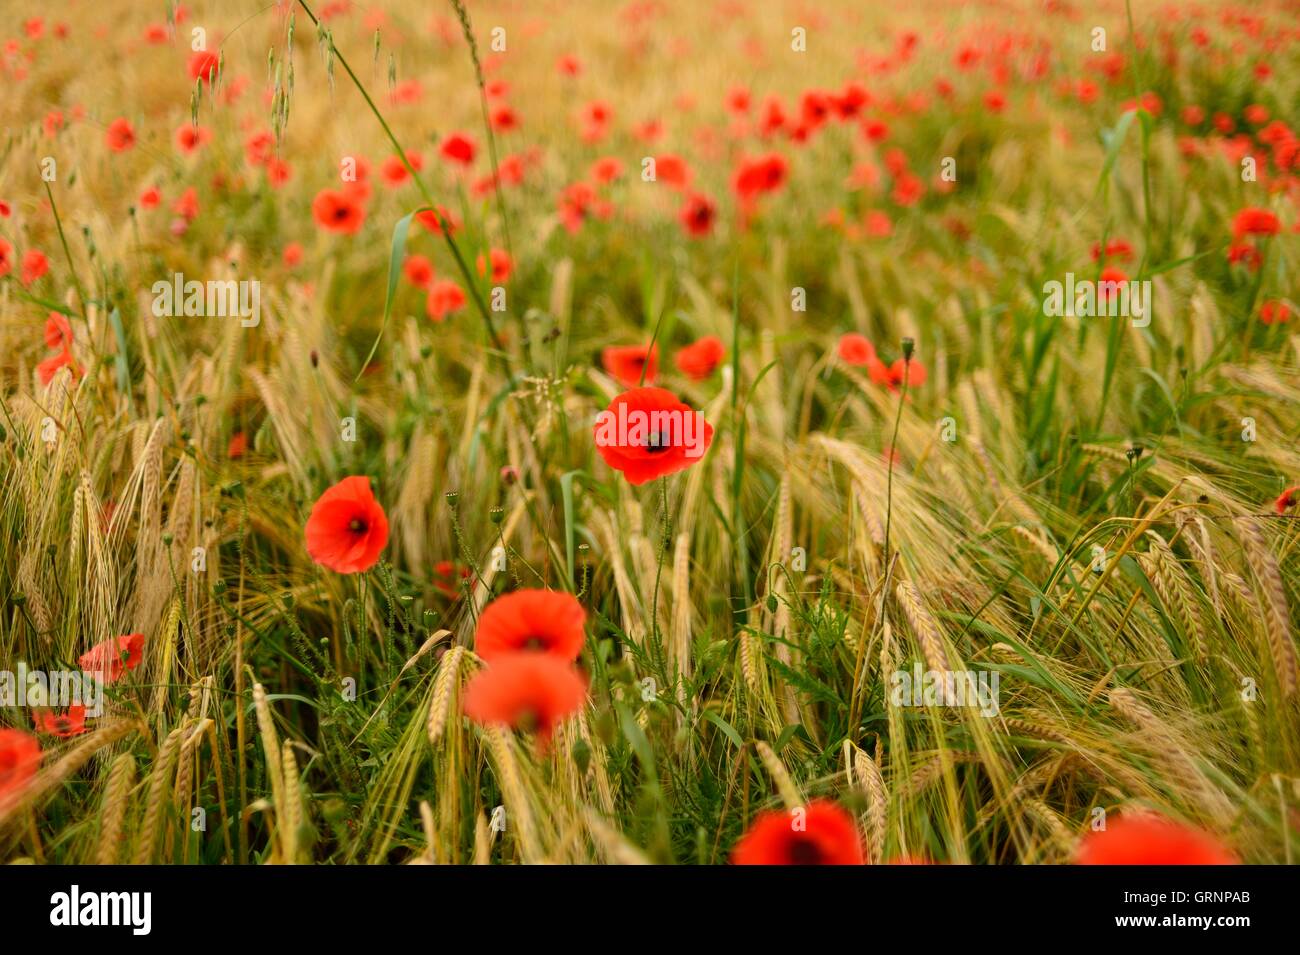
(908, 347)
(496, 514)
(288, 601)
(219, 587)
(771, 603)
(453, 498)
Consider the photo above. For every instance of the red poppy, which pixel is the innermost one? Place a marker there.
(607, 169)
(204, 65)
(647, 433)
(672, 170)
(449, 577)
(394, 171)
(1151, 840)
(445, 297)
(820, 833)
(697, 214)
(238, 446)
(1286, 500)
(64, 725)
(150, 198)
(568, 65)
(531, 621)
(347, 528)
(20, 756)
(120, 136)
(504, 118)
(1274, 311)
(624, 363)
(58, 331)
(336, 211)
(501, 265)
(432, 220)
(855, 349)
(6, 262)
(1118, 249)
(698, 361)
(529, 692)
(107, 660)
(1254, 221)
(187, 206)
(293, 254)
(418, 271)
(190, 137)
(753, 177)
(458, 148)
(913, 371)
(35, 265)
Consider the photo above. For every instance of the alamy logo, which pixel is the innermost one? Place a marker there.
(56, 688)
(213, 299)
(75, 907)
(1128, 298)
(917, 687)
(659, 430)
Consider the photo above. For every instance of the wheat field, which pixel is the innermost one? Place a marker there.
(452, 215)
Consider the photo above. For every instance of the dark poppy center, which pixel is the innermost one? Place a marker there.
(805, 852)
(534, 643)
(657, 443)
(357, 525)
(340, 213)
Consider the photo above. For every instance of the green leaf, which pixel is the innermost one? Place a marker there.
(395, 255)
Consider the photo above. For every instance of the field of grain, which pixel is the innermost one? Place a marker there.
(308, 315)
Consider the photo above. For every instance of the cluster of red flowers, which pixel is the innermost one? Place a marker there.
(633, 365)
(530, 641)
(58, 336)
(857, 350)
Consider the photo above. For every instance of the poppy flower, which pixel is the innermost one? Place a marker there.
(821, 833)
(624, 363)
(531, 621)
(150, 198)
(607, 169)
(336, 211)
(58, 335)
(1274, 311)
(448, 576)
(433, 221)
(108, 660)
(568, 65)
(501, 265)
(187, 205)
(1151, 840)
(6, 260)
(1286, 500)
(71, 722)
(913, 371)
(418, 271)
(20, 756)
(458, 148)
(445, 297)
(238, 446)
(855, 349)
(1118, 249)
(292, 254)
(190, 137)
(204, 65)
(697, 215)
(347, 528)
(529, 692)
(35, 264)
(394, 171)
(1255, 221)
(504, 118)
(672, 170)
(119, 136)
(753, 177)
(647, 433)
(698, 361)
